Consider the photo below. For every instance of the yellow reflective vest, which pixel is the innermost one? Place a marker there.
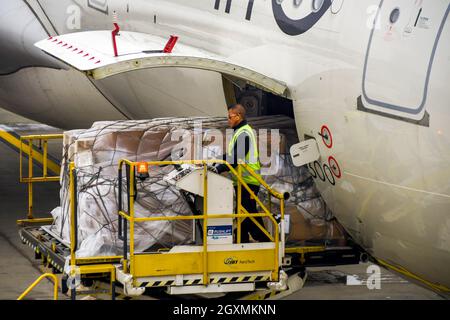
(252, 156)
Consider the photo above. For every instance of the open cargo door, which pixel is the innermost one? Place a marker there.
(94, 53)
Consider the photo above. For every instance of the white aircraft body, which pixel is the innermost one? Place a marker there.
(368, 79)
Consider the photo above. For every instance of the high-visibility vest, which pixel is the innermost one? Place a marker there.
(251, 158)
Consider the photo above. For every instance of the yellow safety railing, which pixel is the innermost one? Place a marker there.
(128, 260)
(73, 214)
(38, 280)
(271, 192)
(27, 147)
(74, 229)
(240, 215)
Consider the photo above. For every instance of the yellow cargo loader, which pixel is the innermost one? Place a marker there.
(215, 263)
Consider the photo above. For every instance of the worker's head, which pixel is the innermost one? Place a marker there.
(236, 114)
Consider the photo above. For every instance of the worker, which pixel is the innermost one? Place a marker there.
(243, 146)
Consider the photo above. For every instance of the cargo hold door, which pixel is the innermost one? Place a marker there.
(93, 52)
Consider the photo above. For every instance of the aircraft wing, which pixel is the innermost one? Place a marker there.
(93, 52)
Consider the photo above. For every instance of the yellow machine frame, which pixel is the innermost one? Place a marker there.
(204, 263)
(148, 265)
(162, 264)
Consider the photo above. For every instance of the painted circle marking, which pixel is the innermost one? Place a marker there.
(318, 168)
(325, 169)
(327, 138)
(334, 167)
(312, 171)
(294, 27)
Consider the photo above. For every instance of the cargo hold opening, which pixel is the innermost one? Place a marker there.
(256, 101)
(310, 220)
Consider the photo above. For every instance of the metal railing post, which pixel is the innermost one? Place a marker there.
(44, 164)
(205, 225)
(73, 214)
(131, 212)
(30, 184)
(119, 204)
(36, 282)
(239, 204)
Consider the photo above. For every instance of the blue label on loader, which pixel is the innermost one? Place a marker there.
(219, 232)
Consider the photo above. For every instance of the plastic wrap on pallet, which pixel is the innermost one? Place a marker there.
(96, 152)
(96, 157)
(309, 220)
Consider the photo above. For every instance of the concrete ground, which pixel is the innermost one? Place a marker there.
(18, 269)
(338, 283)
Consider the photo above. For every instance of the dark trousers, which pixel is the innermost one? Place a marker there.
(248, 226)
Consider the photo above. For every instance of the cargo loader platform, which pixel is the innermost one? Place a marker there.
(213, 265)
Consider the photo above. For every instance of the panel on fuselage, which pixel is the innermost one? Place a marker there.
(400, 56)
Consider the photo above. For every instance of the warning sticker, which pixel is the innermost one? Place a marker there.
(424, 23)
(327, 138)
(334, 167)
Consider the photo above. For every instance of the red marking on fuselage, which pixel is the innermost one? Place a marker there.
(115, 32)
(331, 161)
(170, 44)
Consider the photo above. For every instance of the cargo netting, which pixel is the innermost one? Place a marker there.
(96, 153)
